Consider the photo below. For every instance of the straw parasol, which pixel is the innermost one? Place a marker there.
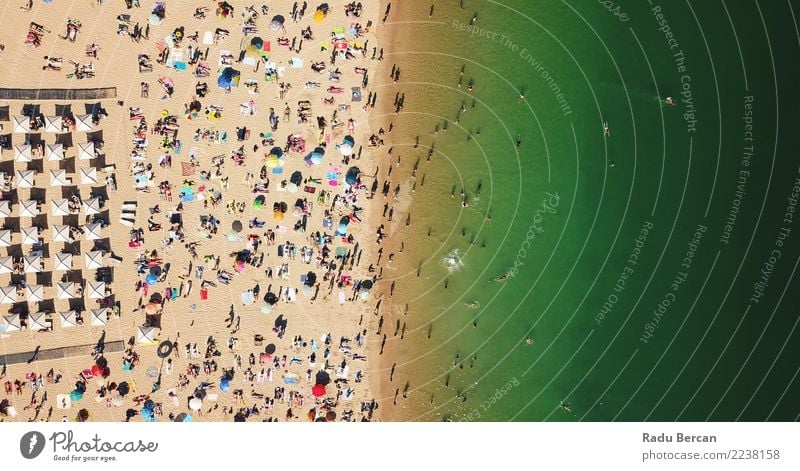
(146, 335)
(6, 264)
(34, 293)
(91, 206)
(22, 124)
(5, 208)
(83, 123)
(5, 237)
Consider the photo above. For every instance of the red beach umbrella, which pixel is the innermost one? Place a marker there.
(97, 370)
(318, 390)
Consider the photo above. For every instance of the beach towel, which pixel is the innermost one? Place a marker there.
(204, 294)
(187, 169)
(208, 38)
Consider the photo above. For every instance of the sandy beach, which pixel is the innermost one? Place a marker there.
(237, 249)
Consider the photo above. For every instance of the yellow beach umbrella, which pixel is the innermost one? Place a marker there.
(273, 161)
(319, 16)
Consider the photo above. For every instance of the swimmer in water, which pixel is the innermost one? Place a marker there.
(529, 341)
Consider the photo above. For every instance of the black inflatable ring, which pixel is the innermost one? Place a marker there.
(164, 349)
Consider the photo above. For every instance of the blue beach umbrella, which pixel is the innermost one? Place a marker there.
(76, 395)
(151, 279)
(224, 384)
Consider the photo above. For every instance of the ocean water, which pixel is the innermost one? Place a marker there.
(653, 269)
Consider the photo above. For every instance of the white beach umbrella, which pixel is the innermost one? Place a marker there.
(63, 262)
(83, 123)
(23, 153)
(32, 263)
(93, 259)
(8, 295)
(68, 319)
(11, 323)
(5, 209)
(65, 290)
(52, 124)
(86, 151)
(5, 237)
(21, 124)
(96, 289)
(146, 335)
(88, 175)
(30, 235)
(59, 207)
(91, 206)
(38, 321)
(34, 293)
(61, 234)
(55, 152)
(93, 231)
(99, 317)
(28, 208)
(58, 178)
(6, 264)
(26, 178)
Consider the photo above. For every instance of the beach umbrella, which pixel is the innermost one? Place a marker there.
(117, 400)
(30, 235)
(318, 390)
(270, 349)
(273, 161)
(97, 370)
(76, 395)
(11, 323)
(88, 175)
(38, 321)
(91, 206)
(266, 308)
(59, 207)
(84, 123)
(58, 178)
(52, 124)
(345, 149)
(151, 279)
(8, 295)
(270, 298)
(34, 293)
(323, 378)
(247, 297)
(21, 124)
(319, 15)
(96, 289)
(28, 208)
(99, 317)
(152, 308)
(237, 225)
(63, 262)
(93, 231)
(224, 384)
(228, 77)
(93, 259)
(6, 264)
(5, 238)
(22, 153)
(5, 208)
(25, 178)
(68, 319)
(123, 388)
(277, 22)
(145, 335)
(61, 234)
(86, 151)
(351, 177)
(32, 263)
(65, 290)
(196, 404)
(55, 152)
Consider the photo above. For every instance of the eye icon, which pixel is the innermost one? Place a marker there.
(31, 445)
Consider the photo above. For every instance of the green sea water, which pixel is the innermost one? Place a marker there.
(654, 268)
